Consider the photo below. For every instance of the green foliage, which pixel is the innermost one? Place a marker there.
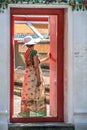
(76, 4)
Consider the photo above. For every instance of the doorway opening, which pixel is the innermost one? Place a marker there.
(48, 25)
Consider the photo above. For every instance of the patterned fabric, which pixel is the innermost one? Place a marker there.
(33, 98)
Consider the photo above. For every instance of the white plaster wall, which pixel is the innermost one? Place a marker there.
(75, 69)
(4, 71)
(75, 66)
(68, 65)
(5, 62)
(80, 70)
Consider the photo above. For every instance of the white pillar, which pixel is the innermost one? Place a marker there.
(68, 65)
(4, 70)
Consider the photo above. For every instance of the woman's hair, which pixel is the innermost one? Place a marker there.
(29, 46)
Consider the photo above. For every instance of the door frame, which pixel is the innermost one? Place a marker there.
(60, 61)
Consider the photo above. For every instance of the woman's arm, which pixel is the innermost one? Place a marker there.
(37, 71)
(46, 58)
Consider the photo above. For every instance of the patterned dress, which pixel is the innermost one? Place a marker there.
(32, 97)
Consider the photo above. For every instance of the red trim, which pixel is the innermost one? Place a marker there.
(60, 60)
(37, 119)
(35, 11)
(16, 42)
(60, 63)
(30, 18)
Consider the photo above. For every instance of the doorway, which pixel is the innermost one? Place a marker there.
(55, 63)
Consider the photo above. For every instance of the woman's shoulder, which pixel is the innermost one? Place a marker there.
(33, 52)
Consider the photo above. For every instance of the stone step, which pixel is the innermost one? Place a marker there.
(41, 126)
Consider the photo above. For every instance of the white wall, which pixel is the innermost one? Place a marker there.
(80, 70)
(75, 68)
(76, 63)
(4, 71)
(68, 65)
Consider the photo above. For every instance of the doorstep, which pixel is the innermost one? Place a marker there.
(40, 126)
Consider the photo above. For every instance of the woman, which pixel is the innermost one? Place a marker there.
(33, 96)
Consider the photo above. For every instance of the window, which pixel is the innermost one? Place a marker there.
(30, 103)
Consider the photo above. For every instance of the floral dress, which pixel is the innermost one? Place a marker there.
(32, 97)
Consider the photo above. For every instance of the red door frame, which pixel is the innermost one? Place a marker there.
(60, 61)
